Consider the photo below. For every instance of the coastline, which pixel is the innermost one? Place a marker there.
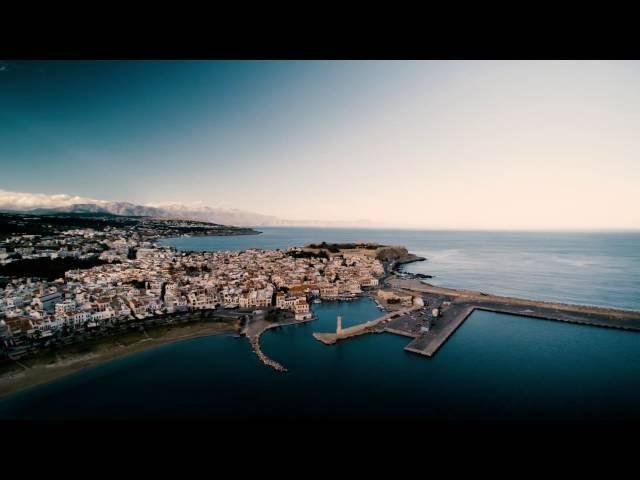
(54, 365)
(242, 231)
(41, 373)
(24, 377)
(459, 294)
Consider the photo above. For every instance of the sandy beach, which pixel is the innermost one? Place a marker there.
(54, 365)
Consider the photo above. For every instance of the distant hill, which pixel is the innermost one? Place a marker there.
(227, 216)
(78, 214)
(110, 208)
(42, 204)
(206, 214)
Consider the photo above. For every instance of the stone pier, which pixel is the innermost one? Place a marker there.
(372, 326)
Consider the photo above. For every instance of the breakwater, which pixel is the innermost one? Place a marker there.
(256, 328)
(255, 344)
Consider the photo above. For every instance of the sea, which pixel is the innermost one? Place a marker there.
(495, 367)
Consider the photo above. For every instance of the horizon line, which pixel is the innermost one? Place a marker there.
(460, 229)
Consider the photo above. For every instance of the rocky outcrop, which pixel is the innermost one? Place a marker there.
(397, 254)
(390, 255)
(422, 275)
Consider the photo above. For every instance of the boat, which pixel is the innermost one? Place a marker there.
(317, 300)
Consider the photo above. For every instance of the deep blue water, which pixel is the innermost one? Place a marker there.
(600, 268)
(497, 367)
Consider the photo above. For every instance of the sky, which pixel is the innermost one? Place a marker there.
(424, 144)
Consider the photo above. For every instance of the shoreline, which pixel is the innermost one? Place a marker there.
(420, 286)
(19, 380)
(51, 366)
(156, 241)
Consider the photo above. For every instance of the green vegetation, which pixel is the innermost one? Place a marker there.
(297, 254)
(17, 224)
(336, 247)
(48, 268)
(14, 224)
(139, 284)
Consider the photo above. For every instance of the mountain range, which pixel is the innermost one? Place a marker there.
(42, 204)
(208, 214)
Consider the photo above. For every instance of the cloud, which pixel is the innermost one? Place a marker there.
(26, 201)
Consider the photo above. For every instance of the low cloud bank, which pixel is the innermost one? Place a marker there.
(27, 201)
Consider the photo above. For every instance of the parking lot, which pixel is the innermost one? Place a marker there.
(411, 323)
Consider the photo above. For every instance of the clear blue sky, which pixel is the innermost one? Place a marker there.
(427, 144)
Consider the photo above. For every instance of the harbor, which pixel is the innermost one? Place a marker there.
(428, 315)
(438, 312)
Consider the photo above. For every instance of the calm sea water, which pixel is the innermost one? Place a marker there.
(586, 268)
(495, 366)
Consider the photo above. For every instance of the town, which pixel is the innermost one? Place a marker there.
(135, 280)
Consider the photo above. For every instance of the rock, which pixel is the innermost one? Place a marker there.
(398, 254)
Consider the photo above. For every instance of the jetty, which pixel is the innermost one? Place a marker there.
(372, 326)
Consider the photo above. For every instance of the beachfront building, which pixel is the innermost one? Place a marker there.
(301, 309)
(329, 291)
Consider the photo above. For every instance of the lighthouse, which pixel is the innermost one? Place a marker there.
(339, 325)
